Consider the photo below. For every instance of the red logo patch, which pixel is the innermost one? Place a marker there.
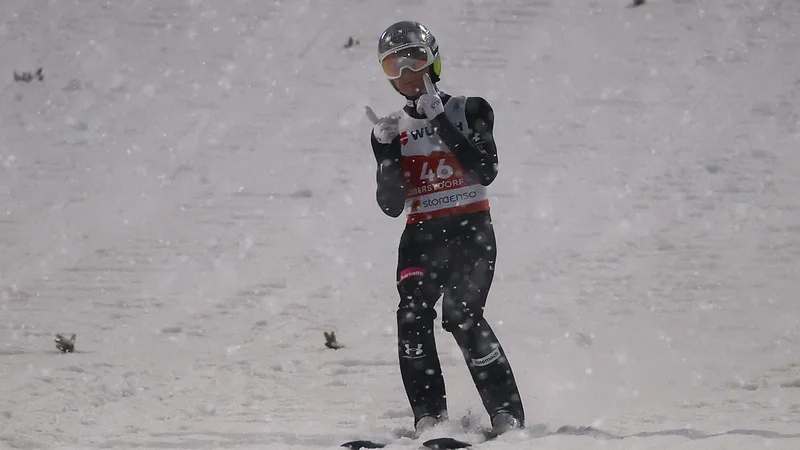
(412, 272)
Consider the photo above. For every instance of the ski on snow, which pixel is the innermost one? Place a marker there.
(433, 444)
(444, 443)
(441, 443)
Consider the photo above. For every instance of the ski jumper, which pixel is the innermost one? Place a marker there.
(437, 170)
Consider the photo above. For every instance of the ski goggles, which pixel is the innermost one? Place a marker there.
(414, 57)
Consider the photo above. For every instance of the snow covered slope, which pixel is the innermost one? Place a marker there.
(190, 190)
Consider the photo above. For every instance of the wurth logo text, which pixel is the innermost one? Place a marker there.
(420, 133)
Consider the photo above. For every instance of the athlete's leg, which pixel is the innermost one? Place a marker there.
(472, 269)
(419, 361)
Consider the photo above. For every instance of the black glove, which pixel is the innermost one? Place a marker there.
(64, 344)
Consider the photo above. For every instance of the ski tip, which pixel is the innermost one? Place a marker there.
(445, 443)
(358, 445)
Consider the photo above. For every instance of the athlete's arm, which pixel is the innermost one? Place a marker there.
(391, 193)
(478, 153)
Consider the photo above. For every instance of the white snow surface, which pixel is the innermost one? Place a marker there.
(190, 190)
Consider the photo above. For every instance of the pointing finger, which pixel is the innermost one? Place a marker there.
(371, 115)
(429, 87)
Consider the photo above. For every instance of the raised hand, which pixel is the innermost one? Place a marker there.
(430, 103)
(386, 128)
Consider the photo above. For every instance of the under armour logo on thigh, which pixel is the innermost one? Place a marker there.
(413, 352)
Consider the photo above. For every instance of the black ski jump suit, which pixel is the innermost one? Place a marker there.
(457, 254)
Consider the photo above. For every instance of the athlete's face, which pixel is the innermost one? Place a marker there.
(410, 83)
